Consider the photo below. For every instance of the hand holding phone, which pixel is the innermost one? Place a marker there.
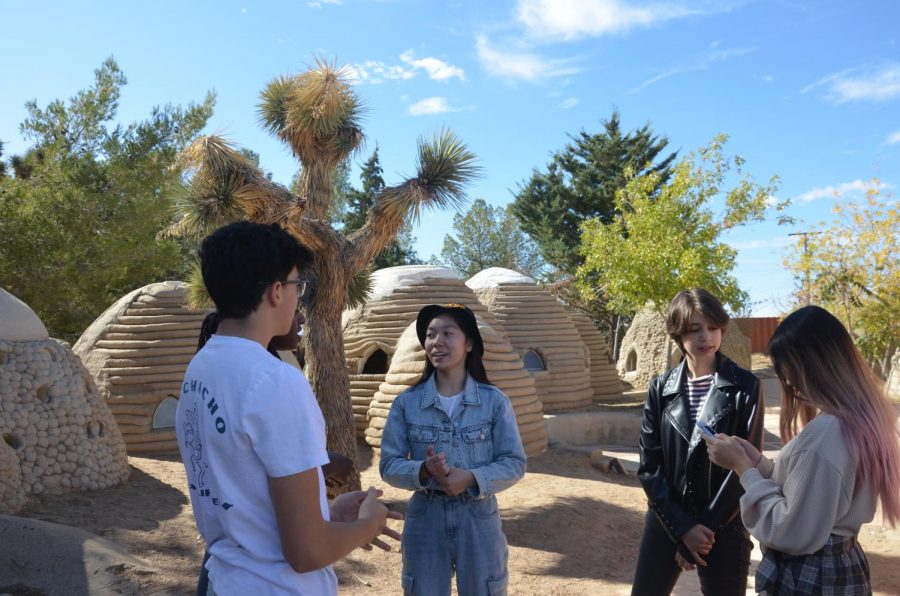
(705, 428)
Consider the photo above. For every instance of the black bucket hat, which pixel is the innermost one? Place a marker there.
(463, 316)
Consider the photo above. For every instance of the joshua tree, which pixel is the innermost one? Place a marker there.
(317, 115)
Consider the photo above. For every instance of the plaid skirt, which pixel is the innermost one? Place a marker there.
(839, 568)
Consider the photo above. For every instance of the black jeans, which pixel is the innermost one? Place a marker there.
(203, 579)
(727, 563)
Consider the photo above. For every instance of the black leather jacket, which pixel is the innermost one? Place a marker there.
(682, 486)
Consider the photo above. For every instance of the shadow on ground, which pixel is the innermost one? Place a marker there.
(592, 526)
(116, 507)
(49, 559)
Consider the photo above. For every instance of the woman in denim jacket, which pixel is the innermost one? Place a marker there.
(453, 439)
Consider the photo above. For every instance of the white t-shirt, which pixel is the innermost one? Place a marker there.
(449, 403)
(244, 416)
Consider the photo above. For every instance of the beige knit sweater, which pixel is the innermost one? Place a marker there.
(793, 505)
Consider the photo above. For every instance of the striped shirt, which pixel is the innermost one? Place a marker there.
(697, 390)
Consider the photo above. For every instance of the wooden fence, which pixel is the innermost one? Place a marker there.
(759, 330)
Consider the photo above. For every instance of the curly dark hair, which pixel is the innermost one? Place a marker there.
(239, 260)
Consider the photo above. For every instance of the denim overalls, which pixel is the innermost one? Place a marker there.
(442, 533)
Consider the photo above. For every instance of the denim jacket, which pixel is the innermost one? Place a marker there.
(482, 437)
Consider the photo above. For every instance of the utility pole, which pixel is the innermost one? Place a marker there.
(806, 284)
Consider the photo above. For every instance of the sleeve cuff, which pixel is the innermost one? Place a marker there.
(482, 487)
(766, 467)
(750, 477)
(415, 467)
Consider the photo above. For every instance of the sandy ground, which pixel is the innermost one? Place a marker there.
(571, 529)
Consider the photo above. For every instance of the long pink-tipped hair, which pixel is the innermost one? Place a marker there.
(821, 370)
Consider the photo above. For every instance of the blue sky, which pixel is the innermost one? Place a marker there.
(806, 90)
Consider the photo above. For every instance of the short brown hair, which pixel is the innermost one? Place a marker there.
(688, 302)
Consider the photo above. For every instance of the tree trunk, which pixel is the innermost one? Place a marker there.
(886, 361)
(325, 360)
(316, 182)
(616, 331)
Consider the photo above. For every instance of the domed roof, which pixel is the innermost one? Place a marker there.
(492, 277)
(18, 322)
(385, 281)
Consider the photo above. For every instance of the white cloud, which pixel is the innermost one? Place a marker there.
(877, 83)
(657, 78)
(375, 72)
(319, 3)
(569, 103)
(893, 138)
(437, 70)
(855, 188)
(705, 62)
(430, 105)
(573, 19)
(520, 65)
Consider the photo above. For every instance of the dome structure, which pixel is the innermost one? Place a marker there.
(504, 369)
(18, 322)
(398, 295)
(542, 334)
(605, 382)
(371, 331)
(58, 432)
(138, 351)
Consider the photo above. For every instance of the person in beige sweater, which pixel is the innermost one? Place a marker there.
(841, 456)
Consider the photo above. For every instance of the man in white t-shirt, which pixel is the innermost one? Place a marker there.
(252, 436)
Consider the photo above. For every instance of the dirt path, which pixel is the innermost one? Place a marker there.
(571, 530)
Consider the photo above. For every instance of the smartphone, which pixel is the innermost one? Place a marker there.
(705, 428)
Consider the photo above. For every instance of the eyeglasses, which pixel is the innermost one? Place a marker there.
(301, 285)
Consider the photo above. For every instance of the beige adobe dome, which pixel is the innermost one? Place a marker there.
(374, 329)
(371, 331)
(503, 367)
(138, 351)
(642, 354)
(399, 293)
(605, 380)
(540, 331)
(58, 434)
(18, 322)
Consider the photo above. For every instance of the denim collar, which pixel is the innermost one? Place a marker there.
(430, 394)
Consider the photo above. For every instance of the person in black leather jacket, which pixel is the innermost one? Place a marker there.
(693, 519)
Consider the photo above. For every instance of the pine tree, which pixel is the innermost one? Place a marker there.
(83, 205)
(490, 237)
(580, 183)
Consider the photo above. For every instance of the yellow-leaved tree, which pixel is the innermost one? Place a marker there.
(850, 266)
(668, 237)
